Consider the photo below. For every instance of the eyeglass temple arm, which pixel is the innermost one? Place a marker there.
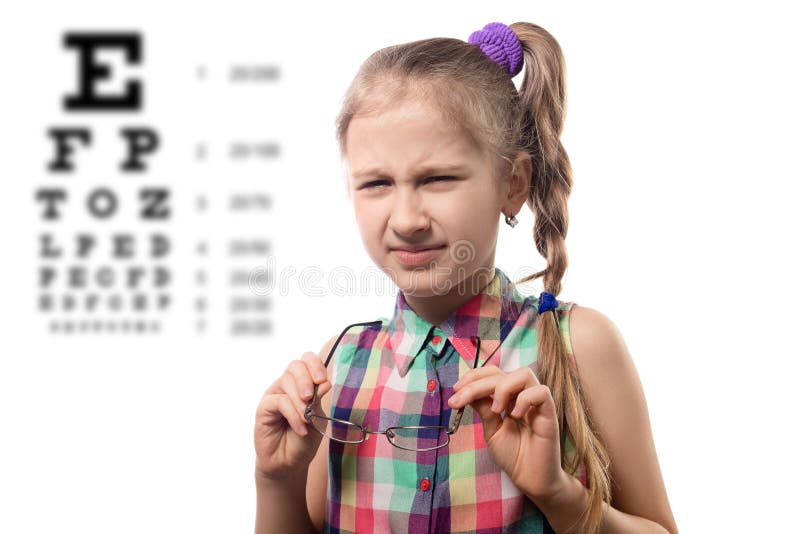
(346, 328)
(333, 349)
(460, 411)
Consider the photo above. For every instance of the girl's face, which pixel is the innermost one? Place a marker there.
(417, 183)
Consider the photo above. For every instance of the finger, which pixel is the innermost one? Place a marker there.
(491, 421)
(503, 387)
(317, 407)
(474, 390)
(278, 407)
(509, 386)
(316, 367)
(290, 390)
(297, 422)
(534, 398)
(301, 373)
(477, 374)
(323, 388)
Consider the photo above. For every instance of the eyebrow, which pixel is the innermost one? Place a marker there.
(425, 169)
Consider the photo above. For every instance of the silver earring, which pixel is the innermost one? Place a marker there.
(511, 221)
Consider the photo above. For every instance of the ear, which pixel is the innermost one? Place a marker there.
(519, 183)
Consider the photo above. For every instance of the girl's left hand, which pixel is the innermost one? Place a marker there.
(525, 442)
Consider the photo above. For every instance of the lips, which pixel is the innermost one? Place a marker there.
(417, 256)
(416, 248)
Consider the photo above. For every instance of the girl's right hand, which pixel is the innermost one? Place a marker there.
(285, 442)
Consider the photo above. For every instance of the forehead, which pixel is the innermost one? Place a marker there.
(409, 135)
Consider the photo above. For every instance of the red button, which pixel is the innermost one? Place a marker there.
(424, 484)
(431, 384)
(436, 339)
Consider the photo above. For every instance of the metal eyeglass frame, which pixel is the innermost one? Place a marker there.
(390, 432)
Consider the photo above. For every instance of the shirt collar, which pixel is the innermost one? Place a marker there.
(490, 314)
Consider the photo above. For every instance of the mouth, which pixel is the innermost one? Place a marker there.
(417, 255)
(417, 248)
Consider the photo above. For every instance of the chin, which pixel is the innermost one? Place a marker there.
(431, 281)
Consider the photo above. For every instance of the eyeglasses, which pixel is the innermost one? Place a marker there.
(410, 438)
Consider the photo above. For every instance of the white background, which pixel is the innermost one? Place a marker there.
(682, 131)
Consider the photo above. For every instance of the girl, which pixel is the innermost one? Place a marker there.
(473, 409)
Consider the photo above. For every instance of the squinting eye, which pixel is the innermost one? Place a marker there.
(441, 178)
(370, 185)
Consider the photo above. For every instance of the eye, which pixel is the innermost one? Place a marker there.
(373, 184)
(440, 178)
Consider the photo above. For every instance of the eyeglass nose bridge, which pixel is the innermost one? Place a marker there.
(392, 436)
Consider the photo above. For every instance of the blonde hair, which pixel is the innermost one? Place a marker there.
(477, 96)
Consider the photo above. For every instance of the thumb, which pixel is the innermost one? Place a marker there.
(491, 421)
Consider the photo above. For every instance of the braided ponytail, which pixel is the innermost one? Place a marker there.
(543, 99)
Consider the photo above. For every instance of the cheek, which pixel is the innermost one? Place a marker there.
(368, 220)
(361, 211)
(473, 223)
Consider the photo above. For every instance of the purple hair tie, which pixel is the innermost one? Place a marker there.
(547, 301)
(501, 44)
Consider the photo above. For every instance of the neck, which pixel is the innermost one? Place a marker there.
(438, 308)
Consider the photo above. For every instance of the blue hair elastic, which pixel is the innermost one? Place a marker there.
(547, 301)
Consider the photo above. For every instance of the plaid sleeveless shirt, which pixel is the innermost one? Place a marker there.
(402, 373)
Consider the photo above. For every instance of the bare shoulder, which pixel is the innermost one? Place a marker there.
(616, 402)
(597, 344)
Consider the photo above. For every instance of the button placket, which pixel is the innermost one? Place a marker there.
(432, 385)
(437, 340)
(426, 460)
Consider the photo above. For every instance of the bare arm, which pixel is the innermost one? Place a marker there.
(317, 486)
(281, 507)
(293, 500)
(616, 400)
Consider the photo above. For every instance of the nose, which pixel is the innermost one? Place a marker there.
(408, 214)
